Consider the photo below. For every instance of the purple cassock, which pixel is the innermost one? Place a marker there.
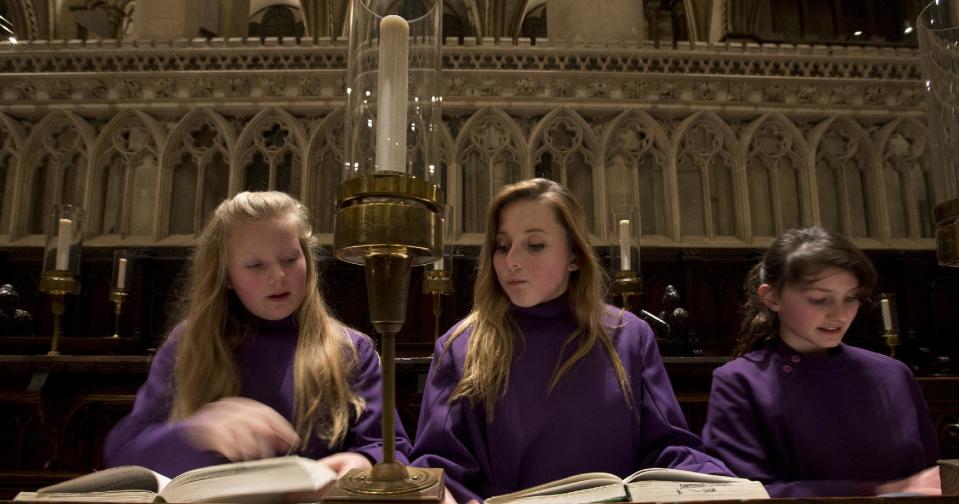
(833, 425)
(583, 425)
(265, 361)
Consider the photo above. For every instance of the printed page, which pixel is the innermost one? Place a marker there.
(679, 491)
(662, 474)
(117, 478)
(260, 481)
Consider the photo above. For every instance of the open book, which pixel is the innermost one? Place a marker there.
(647, 485)
(264, 481)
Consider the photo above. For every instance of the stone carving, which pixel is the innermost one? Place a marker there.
(13, 320)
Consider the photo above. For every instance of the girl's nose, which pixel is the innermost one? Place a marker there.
(512, 260)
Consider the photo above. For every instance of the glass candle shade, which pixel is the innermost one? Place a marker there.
(938, 30)
(393, 115)
(64, 239)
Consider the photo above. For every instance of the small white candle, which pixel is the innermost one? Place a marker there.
(438, 265)
(624, 245)
(122, 273)
(392, 90)
(886, 314)
(64, 232)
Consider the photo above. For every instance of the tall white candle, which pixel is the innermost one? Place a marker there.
(122, 273)
(886, 314)
(391, 99)
(624, 245)
(64, 234)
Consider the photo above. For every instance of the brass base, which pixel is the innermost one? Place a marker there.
(892, 341)
(629, 286)
(947, 233)
(117, 297)
(58, 283)
(363, 485)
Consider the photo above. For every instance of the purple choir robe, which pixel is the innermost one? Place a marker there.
(583, 425)
(804, 425)
(265, 361)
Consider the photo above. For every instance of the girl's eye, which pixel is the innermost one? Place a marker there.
(818, 301)
(254, 265)
(290, 260)
(536, 246)
(852, 300)
(500, 247)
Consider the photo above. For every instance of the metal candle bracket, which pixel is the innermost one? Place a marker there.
(57, 284)
(629, 286)
(437, 283)
(117, 297)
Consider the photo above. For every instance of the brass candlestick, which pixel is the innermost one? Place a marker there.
(117, 297)
(892, 341)
(437, 283)
(388, 222)
(58, 283)
(629, 286)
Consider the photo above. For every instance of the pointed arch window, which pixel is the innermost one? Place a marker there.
(705, 173)
(908, 183)
(59, 172)
(492, 159)
(774, 176)
(200, 178)
(128, 178)
(634, 171)
(843, 183)
(563, 155)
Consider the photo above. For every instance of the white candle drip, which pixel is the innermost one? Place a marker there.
(624, 245)
(64, 232)
(392, 94)
(122, 273)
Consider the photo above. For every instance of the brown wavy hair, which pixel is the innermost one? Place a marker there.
(490, 349)
(797, 257)
(205, 370)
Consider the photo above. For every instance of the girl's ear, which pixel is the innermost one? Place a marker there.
(769, 297)
(573, 264)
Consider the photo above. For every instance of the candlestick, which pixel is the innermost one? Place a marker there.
(886, 314)
(624, 245)
(122, 273)
(392, 88)
(63, 244)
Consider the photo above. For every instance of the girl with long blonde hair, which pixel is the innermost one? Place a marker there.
(258, 367)
(543, 380)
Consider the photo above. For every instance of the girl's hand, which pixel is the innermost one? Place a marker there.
(240, 429)
(343, 462)
(924, 482)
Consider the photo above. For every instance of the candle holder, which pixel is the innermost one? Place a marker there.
(61, 263)
(390, 206)
(890, 321)
(437, 283)
(117, 297)
(120, 285)
(628, 285)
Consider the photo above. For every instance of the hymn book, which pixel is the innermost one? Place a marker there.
(646, 485)
(264, 481)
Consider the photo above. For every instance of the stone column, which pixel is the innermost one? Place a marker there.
(172, 19)
(597, 21)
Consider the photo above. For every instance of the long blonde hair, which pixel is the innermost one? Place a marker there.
(205, 370)
(489, 351)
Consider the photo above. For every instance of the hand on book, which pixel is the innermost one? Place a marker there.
(924, 482)
(240, 429)
(343, 462)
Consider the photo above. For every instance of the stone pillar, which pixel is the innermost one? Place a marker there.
(172, 19)
(597, 21)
